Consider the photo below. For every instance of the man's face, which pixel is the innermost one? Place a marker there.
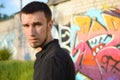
(35, 27)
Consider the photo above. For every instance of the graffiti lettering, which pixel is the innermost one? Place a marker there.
(107, 61)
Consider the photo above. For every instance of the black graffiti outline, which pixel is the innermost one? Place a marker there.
(108, 58)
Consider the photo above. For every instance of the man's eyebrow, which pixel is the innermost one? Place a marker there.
(24, 24)
(36, 22)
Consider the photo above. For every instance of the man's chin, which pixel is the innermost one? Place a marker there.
(34, 46)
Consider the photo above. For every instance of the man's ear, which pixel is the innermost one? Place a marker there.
(50, 24)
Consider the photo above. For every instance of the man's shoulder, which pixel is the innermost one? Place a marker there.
(57, 52)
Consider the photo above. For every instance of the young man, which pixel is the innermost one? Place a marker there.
(52, 62)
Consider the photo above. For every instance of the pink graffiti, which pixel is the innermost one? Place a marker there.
(101, 61)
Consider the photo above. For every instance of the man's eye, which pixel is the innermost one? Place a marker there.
(37, 24)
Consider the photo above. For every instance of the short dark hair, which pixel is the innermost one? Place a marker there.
(37, 6)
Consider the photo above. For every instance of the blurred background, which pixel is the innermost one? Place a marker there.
(87, 29)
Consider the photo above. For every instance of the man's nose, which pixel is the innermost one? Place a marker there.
(32, 31)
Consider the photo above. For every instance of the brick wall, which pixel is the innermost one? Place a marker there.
(12, 37)
(64, 11)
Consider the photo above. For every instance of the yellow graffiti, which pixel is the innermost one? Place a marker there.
(112, 22)
(83, 22)
(96, 27)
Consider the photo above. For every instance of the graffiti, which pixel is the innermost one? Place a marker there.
(95, 46)
(106, 61)
(93, 43)
(63, 34)
(65, 37)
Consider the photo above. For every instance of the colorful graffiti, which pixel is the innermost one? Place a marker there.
(96, 45)
(93, 43)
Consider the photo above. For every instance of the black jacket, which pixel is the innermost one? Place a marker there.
(53, 63)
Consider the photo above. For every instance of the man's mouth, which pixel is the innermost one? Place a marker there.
(33, 40)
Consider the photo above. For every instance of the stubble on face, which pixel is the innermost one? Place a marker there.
(38, 35)
(40, 40)
(39, 43)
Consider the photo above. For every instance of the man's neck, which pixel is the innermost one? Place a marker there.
(40, 48)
